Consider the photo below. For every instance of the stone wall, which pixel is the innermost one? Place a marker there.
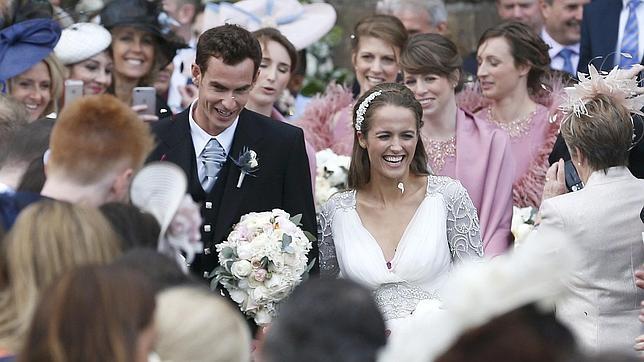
(467, 20)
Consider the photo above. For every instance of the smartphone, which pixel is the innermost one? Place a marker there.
(147, 96)
(573, 182)
(73, 90)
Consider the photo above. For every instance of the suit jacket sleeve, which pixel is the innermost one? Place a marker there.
(551, 216)
(298, 194)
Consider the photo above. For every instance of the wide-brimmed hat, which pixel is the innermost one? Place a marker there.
(24, 44)
(158, 188)
(302, 24)
(81, 41)
(144, 15)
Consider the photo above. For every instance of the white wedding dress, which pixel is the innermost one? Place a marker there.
(444, 230)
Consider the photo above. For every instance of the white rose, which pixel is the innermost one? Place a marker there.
(238, 295)
(260, 293)
(522, 231)
(241, 269)
(262, 317)
(245, 251)
(274, 282)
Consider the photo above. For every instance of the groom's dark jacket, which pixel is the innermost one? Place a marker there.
(282, 179)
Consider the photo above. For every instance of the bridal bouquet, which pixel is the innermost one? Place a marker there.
(262, 261)
(523, 220)
(332, 174)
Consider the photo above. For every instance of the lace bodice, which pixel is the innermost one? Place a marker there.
(461, 222)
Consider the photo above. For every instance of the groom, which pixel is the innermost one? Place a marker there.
(208, 138)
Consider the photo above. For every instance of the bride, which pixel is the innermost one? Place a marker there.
(399, 229)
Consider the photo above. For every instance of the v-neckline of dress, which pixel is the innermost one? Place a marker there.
(389, 264)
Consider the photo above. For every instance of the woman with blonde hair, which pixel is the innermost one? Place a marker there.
(93, 313)
(192, 336)
(32, 74)
(48, 238)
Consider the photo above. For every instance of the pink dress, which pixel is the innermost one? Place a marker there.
(531, 144)
(327, 121)
(480, 158)
(310, 152)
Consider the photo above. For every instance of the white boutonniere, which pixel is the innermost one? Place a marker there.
(247, 163)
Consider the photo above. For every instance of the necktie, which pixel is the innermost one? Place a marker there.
(631, 36)
(566, 55)
(212, 157)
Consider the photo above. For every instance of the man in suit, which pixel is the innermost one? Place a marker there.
(561, 31)
(216, 129)
(604, 29)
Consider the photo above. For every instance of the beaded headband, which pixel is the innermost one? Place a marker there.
(362, 109)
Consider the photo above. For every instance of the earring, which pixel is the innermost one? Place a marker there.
(578, 163)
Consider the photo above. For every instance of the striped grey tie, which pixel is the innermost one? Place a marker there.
(212, 157)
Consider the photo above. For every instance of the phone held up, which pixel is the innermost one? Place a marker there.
(146, 96)
(573, 182)
(73, 90)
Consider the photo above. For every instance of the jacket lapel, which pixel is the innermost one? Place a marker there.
(246, 136)
(180, 150)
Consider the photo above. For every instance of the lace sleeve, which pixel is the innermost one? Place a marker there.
(463, 229)
(329, 267)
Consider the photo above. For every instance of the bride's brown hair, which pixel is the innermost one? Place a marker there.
(392, 94)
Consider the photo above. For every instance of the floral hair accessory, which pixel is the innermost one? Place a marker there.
(362, 109)
(620, 84)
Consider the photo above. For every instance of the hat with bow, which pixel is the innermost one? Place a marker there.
(24, 44)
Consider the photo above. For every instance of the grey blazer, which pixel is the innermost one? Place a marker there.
(603, 221)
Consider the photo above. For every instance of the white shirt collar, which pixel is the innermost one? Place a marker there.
(4, 188)
(200, 137)
(555, 47)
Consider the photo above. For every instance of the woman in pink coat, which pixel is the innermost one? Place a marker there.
(458, 144)
(512, 64)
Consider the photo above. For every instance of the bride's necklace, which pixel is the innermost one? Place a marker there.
(517, 128)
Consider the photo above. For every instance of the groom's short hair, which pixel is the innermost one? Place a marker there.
(95, 134)
(230, 43)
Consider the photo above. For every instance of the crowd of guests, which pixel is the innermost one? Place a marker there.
(123, 129)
